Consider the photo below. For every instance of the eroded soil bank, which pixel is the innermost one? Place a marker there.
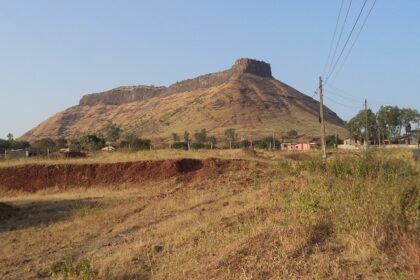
(35, 177)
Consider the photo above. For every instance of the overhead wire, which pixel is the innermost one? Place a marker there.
(342, 104)
(347, 41)
(339, 37)
(333, 37)
(357, 37)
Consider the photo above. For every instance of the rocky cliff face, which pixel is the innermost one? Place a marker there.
(251, 66)
(120, 95)
(129, 94)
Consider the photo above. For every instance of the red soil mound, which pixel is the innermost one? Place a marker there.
(35, 177)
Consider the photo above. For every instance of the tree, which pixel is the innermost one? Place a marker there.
(9, 137)
(61, 143)
(175, 137)
(212, 140)
(332, 140)
(110, 132)
(74, 145)
(4, 144)
(17, 145)
(390, 118)
(133, 142)
(44, 145)
(186, 137)
(292, 134)
(91, 142)
(231, 136)
(408, 116)
(201, 136)
(357, 125)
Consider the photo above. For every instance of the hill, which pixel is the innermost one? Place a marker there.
(245, 97)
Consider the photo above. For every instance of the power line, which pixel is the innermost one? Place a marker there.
(339, 37)
(341, 95)
(342, 104)
(347, 41)
(357, 36)
(333, 37)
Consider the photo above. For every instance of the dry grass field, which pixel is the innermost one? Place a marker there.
(274, 216)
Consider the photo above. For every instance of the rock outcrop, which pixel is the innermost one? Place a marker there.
(251, 66)
(129, 94)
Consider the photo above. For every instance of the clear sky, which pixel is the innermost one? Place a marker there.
(53, 52)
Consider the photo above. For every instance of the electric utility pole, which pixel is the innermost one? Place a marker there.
(321, 116)
(366, 126)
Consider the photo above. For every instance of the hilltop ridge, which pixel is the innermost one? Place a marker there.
(245, 97)
(127, 94)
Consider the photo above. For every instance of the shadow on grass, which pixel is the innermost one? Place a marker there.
(318, 235)
(16, 216)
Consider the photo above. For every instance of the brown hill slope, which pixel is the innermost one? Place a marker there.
(245, 97)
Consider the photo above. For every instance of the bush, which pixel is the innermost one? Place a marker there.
(244, 144)
(197, 146)
(134, 143)
(44, 145)
(82, 270)
(91, 142)
(180, 146)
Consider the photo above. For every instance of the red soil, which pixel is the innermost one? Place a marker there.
(35, 177)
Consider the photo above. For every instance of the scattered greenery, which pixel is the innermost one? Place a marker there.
(110, 132)
(82, 270)
(132, 142)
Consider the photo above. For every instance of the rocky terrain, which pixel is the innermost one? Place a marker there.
(245, 97)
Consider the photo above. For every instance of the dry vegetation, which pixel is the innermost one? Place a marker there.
(287, 218)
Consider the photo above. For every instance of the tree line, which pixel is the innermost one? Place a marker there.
(110, 133)
(388, 123)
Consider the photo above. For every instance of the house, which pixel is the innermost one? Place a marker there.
(300, 146)
(21, 153)
(108, 148)
(300, 143)
(350, 141)
(349, 144)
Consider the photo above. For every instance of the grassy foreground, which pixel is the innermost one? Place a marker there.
(357, 219)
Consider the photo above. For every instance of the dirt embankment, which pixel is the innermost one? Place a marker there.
(35, 177)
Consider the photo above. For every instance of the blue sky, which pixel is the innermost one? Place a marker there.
(53, 52)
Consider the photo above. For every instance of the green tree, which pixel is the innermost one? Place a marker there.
(133, 142)
(230, 136)
(91, 142)
(4, 144)
(390, 120)
(74, 145)
(61, 143)
(186, 137)
(9, 136)
(16, 145)
(44, 145)
(408, 117)
(175, 137)
(201, 136)
(110, 132)
(212, 140)
(357, 125)
(292, 133)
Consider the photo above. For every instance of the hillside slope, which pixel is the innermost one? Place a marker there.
(245, 97)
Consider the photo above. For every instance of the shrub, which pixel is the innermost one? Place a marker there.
(132, 142)
(82, 270)
(197, 146)
(180, 146)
